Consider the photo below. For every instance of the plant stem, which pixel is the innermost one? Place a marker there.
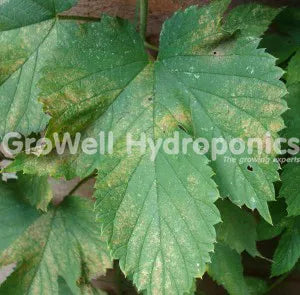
(143, 18)
(277, 282)
(150, 46)
(80, 18)
(136, 15)
(80, 183)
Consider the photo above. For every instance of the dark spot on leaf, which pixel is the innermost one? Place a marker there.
(150, 98)
(250, 168)
(215, 52)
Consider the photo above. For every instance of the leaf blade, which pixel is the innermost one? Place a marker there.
(39, 250)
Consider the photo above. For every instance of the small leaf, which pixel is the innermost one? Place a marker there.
(227, 270)
(293, 73)
(283, 40)
(288, 250)
(64, 242)
(13, 209)
(288, 22)
(282, 46)
(290, 188)
(266, 231)
(256, 286)
(291, 117)
(235, 223)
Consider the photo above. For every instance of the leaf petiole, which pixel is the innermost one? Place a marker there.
(150, 46)
(143, 17)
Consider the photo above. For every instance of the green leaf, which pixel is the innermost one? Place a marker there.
(85, 289)
(256, 286)
(283, 40)
(36, 190)
(291, 117)
(288, 250)
(158, 215)
(293, 73)
(96, 79)
(252, 19)
(281, 46)
(17, 13)
(158, 218)
(231, 89)
(143, 204)
(289, 22)
(290, 188)
(266, 231)
(235, 223)
(28, 34)
(227, 270)
(64, 242)
(236, 74)
(57, 166)
(14, 210)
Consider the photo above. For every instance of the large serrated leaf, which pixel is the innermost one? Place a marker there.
(158, 195)
(159, 218)
(214, 87)
(231, 90)
(159, 214)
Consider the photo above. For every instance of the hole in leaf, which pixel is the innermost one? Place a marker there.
(250, 168)
(215, 52)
